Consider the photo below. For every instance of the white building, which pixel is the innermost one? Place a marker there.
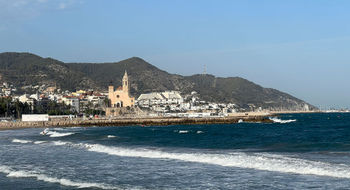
(160, 98)
(25, 98)
(96, 99)
(73, 102)
(35, 117)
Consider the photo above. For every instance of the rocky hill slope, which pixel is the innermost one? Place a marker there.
(27, 69)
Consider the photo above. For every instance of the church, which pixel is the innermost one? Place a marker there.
(121, 97)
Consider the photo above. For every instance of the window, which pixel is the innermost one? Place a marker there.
(117, 96)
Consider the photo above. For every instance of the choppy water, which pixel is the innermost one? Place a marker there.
(299, 151)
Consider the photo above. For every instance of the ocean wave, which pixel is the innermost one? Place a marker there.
(59, 129)
(10, 172)
(277, 120)
(21, 141)
(111, 136)
(183, 131)
(266, 162)
(39, 142)
(57, 134)
(199, 132)
(60, 143)
(27, 141)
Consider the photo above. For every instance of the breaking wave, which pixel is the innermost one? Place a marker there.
(21, 141)
(27, 141)
(183, 131)
(57, 134)
(277, 120)
(111, 136)
(267, 162)
(39, 142)
(60, 143)
(10, 172)
(59, 129)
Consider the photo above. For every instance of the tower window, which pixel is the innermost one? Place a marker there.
(117, 96)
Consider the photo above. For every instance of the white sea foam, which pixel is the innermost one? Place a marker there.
(10, 172)
(57, 134)
(60, 143)
(267, 162)
(199, 132)
(111, 136)
(39, 142)
(277, 120)
(59, 129)
(183, 131)
(21, 141)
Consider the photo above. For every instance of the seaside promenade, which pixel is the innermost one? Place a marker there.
(146, 121)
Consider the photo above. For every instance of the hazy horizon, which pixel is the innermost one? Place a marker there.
(297, 47)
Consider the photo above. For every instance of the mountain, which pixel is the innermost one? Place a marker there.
(144, 77)
(24, 69)
(243, 93)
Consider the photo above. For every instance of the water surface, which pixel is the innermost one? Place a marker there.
(298, 151)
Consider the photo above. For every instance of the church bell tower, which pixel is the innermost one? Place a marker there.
(126, 83)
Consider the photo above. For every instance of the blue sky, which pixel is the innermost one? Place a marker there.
(299, 47)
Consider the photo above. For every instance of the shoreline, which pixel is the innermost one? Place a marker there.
(155, 121)
(296, 112)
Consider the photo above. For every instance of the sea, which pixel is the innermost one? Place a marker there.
(297, 151)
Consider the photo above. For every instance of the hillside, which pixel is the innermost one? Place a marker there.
(23, 69)
(144, 77)
(242, 92)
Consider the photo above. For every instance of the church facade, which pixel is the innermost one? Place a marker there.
(121, 97)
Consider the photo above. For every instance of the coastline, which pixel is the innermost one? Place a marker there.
(291, 112)
(317, 111)
(155, 121)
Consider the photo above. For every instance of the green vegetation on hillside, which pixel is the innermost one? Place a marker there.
(23, 69)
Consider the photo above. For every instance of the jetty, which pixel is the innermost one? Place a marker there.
(147, 121)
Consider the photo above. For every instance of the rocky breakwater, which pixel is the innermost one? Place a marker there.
(156, 121)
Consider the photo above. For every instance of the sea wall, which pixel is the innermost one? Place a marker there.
(131, 121)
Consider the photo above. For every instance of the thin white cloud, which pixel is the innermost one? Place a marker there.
(12, 4)
(64, 4)
(12, 10)
(19, 3)
(17, 10)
